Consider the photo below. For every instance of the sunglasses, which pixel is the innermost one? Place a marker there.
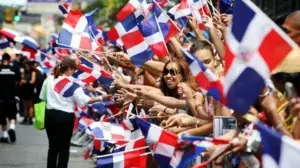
(172, 72)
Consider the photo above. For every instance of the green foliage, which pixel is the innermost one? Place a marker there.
(108, 9)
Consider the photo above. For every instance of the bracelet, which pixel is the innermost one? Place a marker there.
(165, 109)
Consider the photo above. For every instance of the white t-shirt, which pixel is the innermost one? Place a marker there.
(57, 101)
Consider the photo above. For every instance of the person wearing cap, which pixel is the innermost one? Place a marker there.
(59, 116)
(292, 26)
(8, 82)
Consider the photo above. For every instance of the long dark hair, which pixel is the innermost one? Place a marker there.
(187, 78)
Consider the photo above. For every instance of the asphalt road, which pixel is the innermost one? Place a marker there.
(30, 151)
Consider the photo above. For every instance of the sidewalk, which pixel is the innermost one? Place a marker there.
(30, 151)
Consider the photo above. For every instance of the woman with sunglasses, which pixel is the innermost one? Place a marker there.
(59, 116)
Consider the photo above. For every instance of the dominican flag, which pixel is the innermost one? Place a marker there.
(153, 36)
(279, 151)
(66, 87)
(137, 48)
(127, 159)
(122, 28)
(64, 8)
(254, 47)
(208, 82)
(89, 72)
(75, 32)
(167, 26)
(163, 142)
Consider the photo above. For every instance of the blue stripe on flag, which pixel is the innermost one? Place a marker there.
(163, 161)
(105, 162)
(243, 15)
(244, 91)
(149, 26)
(70, 91)
(98, 133)
(65, 37)
(86, 62)
(142, 57)
(271, 141)
(129, 23)
(144, 126)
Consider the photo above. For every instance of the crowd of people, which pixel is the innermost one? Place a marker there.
(21, 83)
(163, 90)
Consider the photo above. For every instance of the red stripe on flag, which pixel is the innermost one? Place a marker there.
(73, 18)
(132, 39)
(131, 159)
(89, 79)
(85, 68)
(117, 136)
(61, 85)
(112, 34)
(202, 81)
(173, 31)
(159, 49)
(125, 11)
(229, 57)
(274, 48)
(168, 138)
(85, 43)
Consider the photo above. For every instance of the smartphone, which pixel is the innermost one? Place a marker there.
(290, 90)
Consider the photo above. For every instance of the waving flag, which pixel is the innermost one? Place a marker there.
(168, 28)
(278, 150)
(89, 72)
(248, 57)
(208, 82)
(122, 28)
(75, 32)
(66, 87)
(137, 48)
(164, 142)
(153, 36)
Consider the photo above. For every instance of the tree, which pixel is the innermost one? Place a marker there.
(108, 9)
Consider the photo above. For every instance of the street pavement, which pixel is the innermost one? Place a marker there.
(30, 151)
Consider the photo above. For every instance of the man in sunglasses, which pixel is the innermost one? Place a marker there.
(292, 26)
